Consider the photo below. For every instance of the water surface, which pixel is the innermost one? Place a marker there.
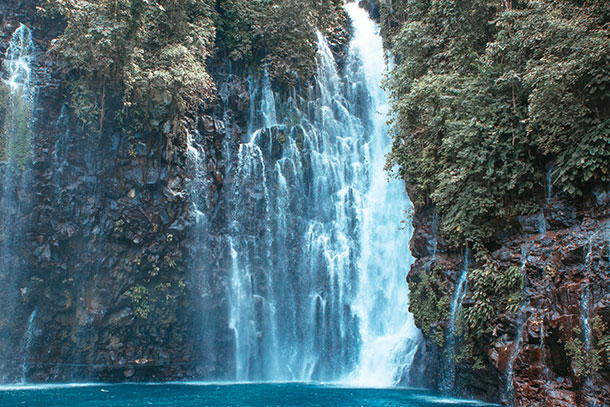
(194, 394)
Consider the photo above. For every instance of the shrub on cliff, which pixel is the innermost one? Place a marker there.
(487, 95)
(153, 52)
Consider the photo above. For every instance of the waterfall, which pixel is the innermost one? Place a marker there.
(18, 60)
(585, 311)
(27, 343)
(387, 332)
(518, 342)
(448, 377)
(315, 289)
(16, 106)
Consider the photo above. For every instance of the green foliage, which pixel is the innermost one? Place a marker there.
(280, 32)
(493, 290)
(562, 55)
(585, 360)
(140, 301)
(467, 354)
(429, 303)
(152, 51)
(485, 94)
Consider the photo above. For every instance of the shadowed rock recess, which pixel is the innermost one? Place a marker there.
(131, 253)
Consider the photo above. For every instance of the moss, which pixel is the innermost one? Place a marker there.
(16, 127)
(5, 92)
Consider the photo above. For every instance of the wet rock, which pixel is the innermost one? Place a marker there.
(563, 250)
(129, 372)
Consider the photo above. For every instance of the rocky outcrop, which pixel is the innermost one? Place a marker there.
(552, 350)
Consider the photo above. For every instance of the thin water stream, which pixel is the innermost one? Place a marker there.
(17, 90)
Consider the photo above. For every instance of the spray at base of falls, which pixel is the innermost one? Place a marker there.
(316, 289)
(448, 379)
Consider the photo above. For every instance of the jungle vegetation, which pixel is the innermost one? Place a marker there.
(488, 95)
(155, 53)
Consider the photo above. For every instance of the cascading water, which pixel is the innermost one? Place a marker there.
(387, 334)
(448, 377)
(316, 289)
(585, 305)
(27, 343)
(17, 99)
(518, 342)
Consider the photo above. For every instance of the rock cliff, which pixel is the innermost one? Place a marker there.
(552, 351)
(104, 282)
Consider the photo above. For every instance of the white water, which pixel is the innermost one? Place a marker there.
(387, 333)
(316, 289)
(19, 56)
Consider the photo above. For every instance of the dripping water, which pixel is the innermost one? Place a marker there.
(448, 378)
(17, 91)
(549, 182)
(585, 312)
(518, 341)
(27, 344)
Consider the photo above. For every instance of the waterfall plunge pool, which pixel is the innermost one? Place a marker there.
(219, 394)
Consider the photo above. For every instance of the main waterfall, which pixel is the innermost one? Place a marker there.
(318, 252)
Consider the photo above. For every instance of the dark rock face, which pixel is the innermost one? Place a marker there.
(106, 249)
(123, 251)
(564, 254)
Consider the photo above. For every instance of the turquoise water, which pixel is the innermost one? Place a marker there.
(187, 395)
